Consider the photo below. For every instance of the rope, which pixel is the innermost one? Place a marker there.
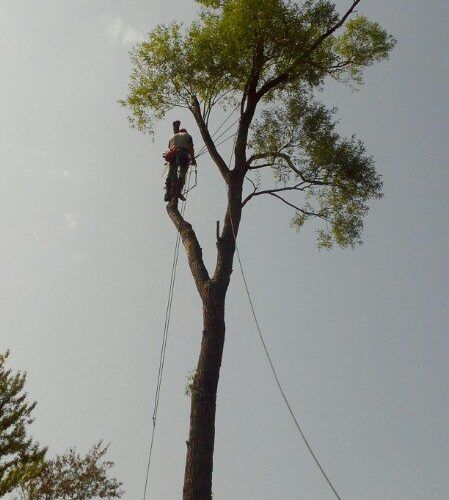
(187, 189)
(276, 378)
(204, 147)
(270, 361)
(261, 337)
(203, 150)
(164, 340)
(195, 171)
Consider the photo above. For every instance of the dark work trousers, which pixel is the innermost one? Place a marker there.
(177, 173)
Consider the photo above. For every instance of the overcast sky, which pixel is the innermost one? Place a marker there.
(359, 337)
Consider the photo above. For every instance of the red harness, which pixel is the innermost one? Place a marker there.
(170, 154)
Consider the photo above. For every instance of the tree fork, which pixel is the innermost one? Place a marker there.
(200, 446)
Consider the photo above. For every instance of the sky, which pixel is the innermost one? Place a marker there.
(359, 337)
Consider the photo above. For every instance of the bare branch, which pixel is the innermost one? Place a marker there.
(288, 160)
(297, 187)
(252, 182)
(247, 114)
(275, 194)
(306, 212)
(191, 245)
(287, 202)
(215, 155)
(261, 165)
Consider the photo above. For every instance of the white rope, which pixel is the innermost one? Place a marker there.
(270, 361)
(164, 340)
(278, 383)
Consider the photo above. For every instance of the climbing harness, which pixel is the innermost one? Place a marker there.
(170, 154)
(170, 183)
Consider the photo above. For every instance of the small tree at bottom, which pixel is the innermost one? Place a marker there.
(75, 477)
(21, 459)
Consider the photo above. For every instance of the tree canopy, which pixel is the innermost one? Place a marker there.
(271, 58)
(21, 459)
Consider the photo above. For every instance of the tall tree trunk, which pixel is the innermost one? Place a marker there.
(200, 446)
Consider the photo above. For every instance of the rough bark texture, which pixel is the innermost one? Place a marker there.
(200, 445)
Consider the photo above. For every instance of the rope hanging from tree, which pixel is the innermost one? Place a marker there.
(165, 338)
(261, 337)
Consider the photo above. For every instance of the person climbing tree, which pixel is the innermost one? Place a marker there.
(269, 59)
(180, 155)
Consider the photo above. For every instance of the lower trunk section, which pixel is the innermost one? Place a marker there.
(200, 446)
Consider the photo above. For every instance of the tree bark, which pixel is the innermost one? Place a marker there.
(200, 446)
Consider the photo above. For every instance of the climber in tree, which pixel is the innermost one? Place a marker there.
(180, 155)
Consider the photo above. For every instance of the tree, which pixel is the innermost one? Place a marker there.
(21, 459)
(23, 467)
(73, 477)
(269, 58)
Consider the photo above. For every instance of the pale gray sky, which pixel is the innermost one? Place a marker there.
(359, 338)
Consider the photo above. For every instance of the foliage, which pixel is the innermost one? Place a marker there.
(272, 57)
(74, 477)
(21, 459)
(299, 140)
(189, 388)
